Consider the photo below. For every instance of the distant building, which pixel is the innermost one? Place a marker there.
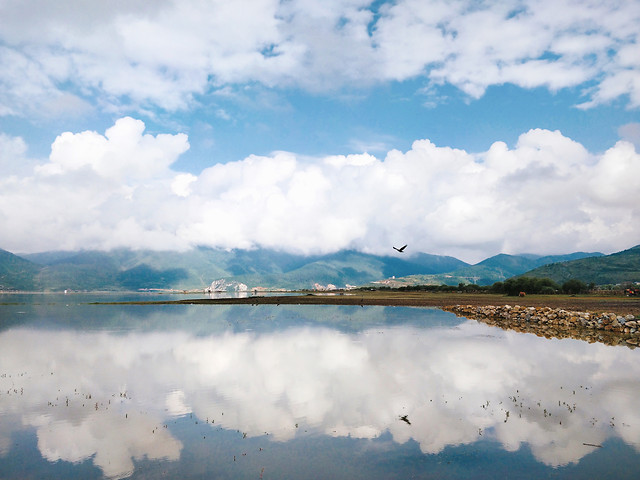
(222, 285)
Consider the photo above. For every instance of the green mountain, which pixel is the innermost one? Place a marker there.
(123, 269)
(197, 268)
(502, 266)
(617, 268)
(353, 268)
(494, 269)
(16, 273)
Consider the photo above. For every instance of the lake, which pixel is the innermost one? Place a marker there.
(303, 392)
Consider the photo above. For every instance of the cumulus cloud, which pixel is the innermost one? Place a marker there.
(169, 53)
(631, 133)
(122, 153)
(547, 194)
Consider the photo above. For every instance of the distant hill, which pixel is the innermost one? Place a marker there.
(124, 269)
(616, 268)
(493, 269)
(503, 266)
(353, 268)
(16, 273)
(132, 270)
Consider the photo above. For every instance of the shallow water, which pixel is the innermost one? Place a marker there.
(203, 391)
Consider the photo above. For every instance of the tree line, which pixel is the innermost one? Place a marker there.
(511, 286)
(541, 286)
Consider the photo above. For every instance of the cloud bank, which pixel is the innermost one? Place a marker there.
(168, 54)
(546, 194)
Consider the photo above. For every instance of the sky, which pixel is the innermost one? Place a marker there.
(463, 128)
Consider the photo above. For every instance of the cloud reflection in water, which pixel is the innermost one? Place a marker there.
(456, 386)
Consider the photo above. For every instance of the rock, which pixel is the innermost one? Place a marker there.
(549, 322)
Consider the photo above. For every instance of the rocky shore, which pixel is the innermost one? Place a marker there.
(608, 328)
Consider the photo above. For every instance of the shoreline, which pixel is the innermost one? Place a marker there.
(609, 320)
(592, 303)
(607, 328)
(619, 304)
(612, 320)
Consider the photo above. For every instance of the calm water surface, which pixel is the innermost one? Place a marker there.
(197, 391)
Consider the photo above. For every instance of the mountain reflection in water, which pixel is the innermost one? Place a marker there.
(113, 396)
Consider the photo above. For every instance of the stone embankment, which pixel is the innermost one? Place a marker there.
(549, 322)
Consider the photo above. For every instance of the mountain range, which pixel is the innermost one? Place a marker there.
(197, 268)
(491, 270)
(617, 268)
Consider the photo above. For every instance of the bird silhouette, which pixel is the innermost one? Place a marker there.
(405, 419)
(401, 249)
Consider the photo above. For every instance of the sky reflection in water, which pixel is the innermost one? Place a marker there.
(120, 387)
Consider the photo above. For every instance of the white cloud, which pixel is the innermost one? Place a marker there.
(123, 152)
(547, 194)
(167, 54)
(181, 184)
(12, 154)
(631, 133)
(615, 177)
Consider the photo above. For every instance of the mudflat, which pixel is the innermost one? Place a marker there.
(588, 303)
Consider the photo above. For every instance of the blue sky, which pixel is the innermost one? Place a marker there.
(461, 127)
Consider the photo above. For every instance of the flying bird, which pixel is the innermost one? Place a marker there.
(405, 419)
(401, 249)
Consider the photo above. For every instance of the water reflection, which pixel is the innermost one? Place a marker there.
(113, 396)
